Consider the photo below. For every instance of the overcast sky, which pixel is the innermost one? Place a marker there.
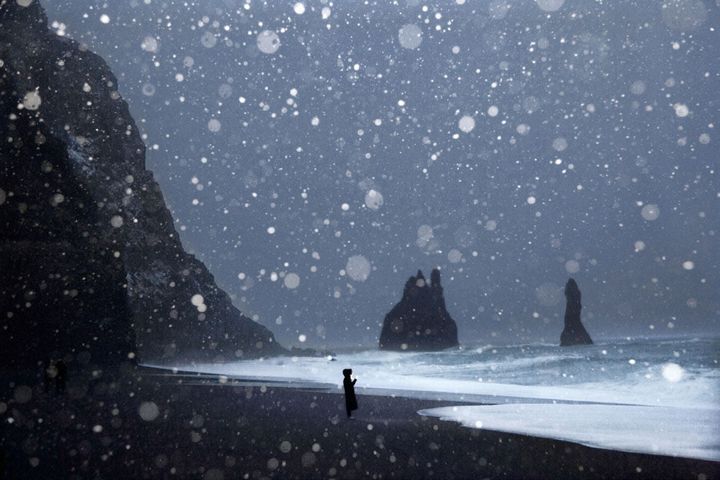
(316, 154)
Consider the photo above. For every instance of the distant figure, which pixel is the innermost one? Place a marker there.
(49, 374)
(61, 376)
(350, 398)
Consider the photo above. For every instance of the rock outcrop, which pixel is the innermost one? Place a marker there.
(420, 320)
(90, 262)
(574, 332)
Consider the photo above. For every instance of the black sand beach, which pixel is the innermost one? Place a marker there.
(208, 430)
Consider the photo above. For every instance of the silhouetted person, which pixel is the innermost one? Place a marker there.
(49, 372)
(61, 376)
(350, 398)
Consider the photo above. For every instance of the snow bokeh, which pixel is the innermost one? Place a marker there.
(510, 145)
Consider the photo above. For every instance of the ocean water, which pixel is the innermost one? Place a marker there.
(653, 396)
(669, 372)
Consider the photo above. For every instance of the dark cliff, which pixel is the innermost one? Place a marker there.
(90, 262)
(420, 320)
(574, 332)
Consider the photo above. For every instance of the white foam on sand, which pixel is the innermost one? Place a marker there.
(674, 431)
(640, 412)
(391, 377)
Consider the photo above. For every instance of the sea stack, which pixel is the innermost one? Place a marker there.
(92, 267)
(574, 332)
(420, 321)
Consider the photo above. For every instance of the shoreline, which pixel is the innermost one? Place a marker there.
(510, 409)
(135, 425)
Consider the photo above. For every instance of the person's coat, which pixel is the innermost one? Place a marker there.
(350, 398)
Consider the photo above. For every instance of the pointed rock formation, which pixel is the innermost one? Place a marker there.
(420, 320)
(91, 264)
(574, 332)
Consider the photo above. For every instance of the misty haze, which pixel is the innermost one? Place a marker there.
(501, 215)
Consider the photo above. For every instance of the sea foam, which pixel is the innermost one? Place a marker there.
(617, 395)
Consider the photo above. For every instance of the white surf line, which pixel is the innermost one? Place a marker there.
(384, 384)
(694, 442)
(189, 377)
(673, 431)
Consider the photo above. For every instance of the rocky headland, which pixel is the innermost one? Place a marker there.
(574, 332)
(420, 321)
(92, 266)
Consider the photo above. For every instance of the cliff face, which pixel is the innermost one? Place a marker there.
(90, 262)
(574, 332)
(420, 320)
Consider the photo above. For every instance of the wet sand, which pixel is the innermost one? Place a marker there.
(208, 430)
